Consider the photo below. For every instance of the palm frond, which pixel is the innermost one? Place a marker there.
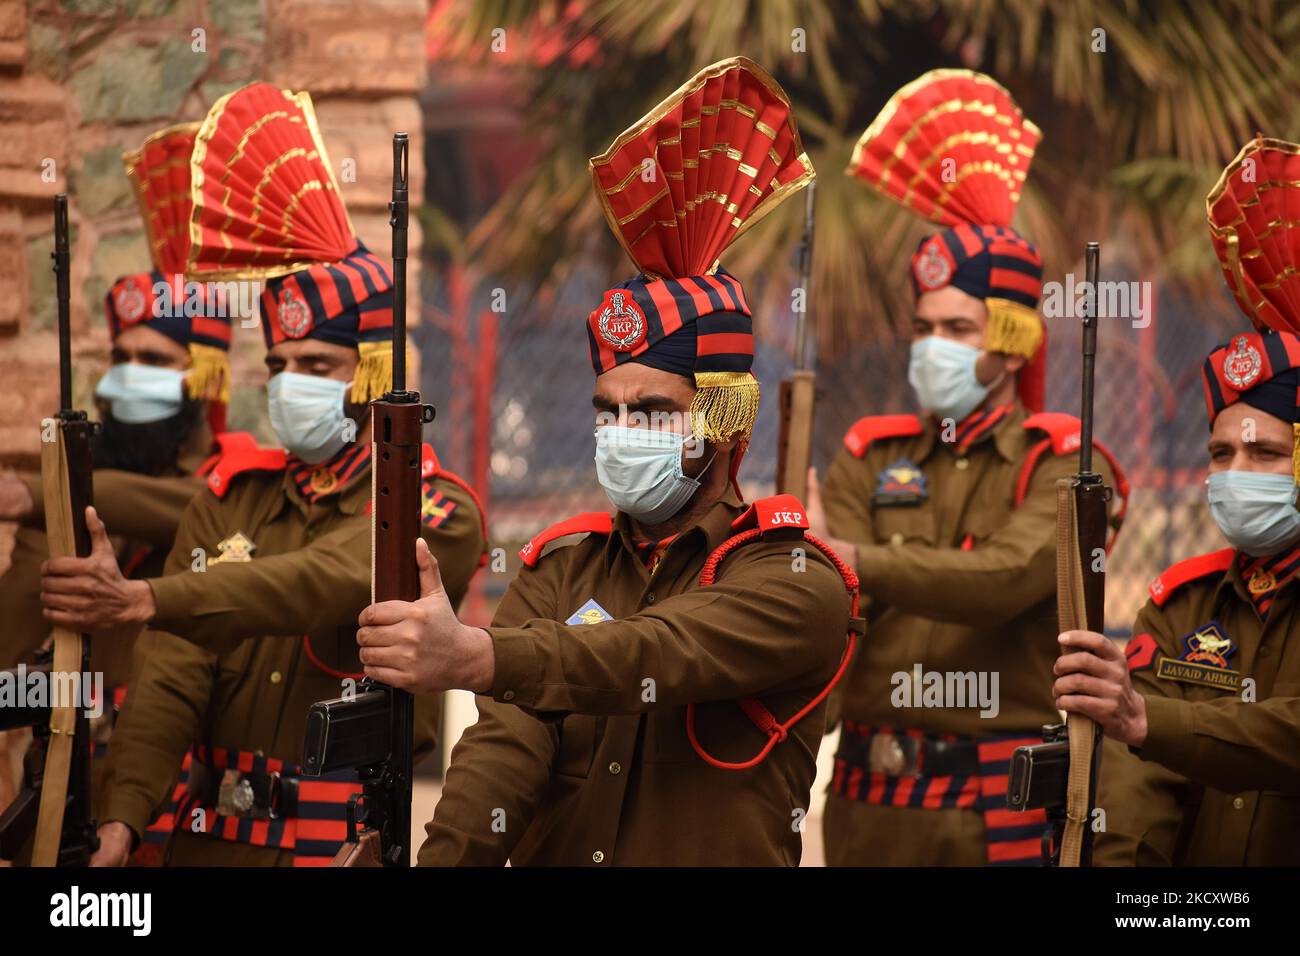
(1133, 136)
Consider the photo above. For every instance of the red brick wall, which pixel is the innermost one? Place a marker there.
(80, 81)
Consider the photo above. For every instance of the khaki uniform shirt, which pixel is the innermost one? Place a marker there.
(242, 676)
(580, 754)
(140, 511)
(962, 581)
(1217, 781)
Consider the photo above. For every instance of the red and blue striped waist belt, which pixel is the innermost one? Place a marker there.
(251, 798)
(889, 766)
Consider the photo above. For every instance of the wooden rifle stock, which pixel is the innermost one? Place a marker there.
(1082, 521)
(65, 832)
(397, 420)
(794, 438)
(798, 392)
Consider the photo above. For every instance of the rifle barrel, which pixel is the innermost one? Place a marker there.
(399, 210)
(62, 282)
(805, 278)
(1092, 258)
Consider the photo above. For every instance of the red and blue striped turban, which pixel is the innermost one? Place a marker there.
(677, 188)
(954, 147)
(267, 208)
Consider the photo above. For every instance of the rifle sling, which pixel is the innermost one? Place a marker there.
(67, 660)
(1072, 616)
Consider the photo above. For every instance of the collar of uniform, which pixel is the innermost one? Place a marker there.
(189, 463)
(1007, 435)
(714, 525)
(348, 467)
(1283, 566)
(196, 449)
(1232, 583)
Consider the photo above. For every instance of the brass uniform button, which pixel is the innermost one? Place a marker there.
(598, 857)
(896, 538)
(276, 677)
(616, 768)
(508, 695)
(1238, 803)
(963, 464)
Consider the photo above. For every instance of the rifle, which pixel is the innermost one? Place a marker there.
(794, 436)
(1061, 774)
(373, 730)
(55, 800)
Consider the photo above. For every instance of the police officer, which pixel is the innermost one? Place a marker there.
(160, 404)
(949, 517)
(254, 617)
(642, 702)
(1201, 767)
(162, 412)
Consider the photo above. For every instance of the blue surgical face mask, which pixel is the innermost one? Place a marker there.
(943, 374)
(307, 415)
(139, 394)
(641, 471)
(1255, 510)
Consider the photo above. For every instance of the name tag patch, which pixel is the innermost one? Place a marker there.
(901, 483)
(1204, 660)
(589, 613)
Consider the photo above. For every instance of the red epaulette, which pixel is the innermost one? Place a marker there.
(589, 522)
(770, 514)
(430, 468)
(238, 452)
(876, 427)
(1184, 572)
(1064, 430)
(1064, 435)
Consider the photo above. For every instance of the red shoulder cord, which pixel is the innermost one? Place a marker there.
(753, 708)
(322, 666)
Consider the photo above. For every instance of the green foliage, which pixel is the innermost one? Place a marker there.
(1133, 136)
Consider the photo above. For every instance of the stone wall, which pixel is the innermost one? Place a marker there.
(83, 80)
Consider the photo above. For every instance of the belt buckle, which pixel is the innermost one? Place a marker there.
(894, 755)
(235, 795)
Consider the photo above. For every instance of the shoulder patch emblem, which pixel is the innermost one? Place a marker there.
(1204, 660)
(238, 548)
(1141, 652)
(589, 613)
(435, 507)
(901, 483)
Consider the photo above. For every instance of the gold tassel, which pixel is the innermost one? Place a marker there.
(1012, 329)
(374, 372)
(209, 376)
(1295, 452)
(725, 404)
